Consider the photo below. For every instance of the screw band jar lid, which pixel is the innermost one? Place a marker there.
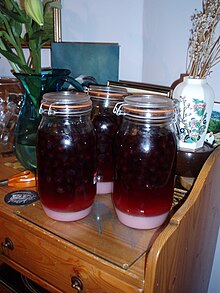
(65, 103)
(152, 107)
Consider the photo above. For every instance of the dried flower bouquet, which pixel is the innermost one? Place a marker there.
(204, 45)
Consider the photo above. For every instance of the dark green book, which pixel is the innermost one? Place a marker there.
(99, 60)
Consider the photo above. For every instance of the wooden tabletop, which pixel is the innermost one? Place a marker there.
(176, 257)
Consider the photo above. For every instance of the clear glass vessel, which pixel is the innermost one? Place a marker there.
(106, 124)
(66, 156)
(145, 157)
(11, 97)
(34, 86)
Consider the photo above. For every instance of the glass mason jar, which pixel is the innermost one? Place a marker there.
(106, 124)
(66, 156)
(145, 157)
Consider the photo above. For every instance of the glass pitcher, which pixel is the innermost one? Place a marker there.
(35, 85)
(11, 97)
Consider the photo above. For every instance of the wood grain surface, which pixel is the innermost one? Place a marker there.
(175, 258)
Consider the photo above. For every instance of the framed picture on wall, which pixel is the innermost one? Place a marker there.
(142, 88)
(213, 133)
(52, 24)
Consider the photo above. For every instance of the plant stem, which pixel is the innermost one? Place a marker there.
(35, 52)
(15, 42)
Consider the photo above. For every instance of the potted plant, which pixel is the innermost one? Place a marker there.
(196, 97)
(29, 24)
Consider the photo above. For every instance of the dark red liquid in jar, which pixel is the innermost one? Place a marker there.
(106, 125)
(144, 176)
(66, 164)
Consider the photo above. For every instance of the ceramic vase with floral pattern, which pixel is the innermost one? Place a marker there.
(196, 100)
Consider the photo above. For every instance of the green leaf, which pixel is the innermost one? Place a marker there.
(14, 58)
(8, 4)
(18, 9)
(36, 35)
(4, 37)
(16, 28)
(26, 38)
(2, 18)
(6, 45)
(18, 17)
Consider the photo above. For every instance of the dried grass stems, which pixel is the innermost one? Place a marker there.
(204, 46)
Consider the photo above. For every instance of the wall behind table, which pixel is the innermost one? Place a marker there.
(166, 33)
(108, 21)
(153, 35)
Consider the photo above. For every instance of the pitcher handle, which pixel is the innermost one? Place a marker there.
(71, 81)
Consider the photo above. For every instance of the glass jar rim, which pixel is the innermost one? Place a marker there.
(153, 107)
(65, 103)
(106, 92)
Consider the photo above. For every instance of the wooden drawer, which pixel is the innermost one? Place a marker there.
(56, 262)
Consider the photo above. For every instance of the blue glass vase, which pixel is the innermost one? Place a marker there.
(35, 85)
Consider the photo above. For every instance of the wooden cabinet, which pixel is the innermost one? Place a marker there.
(101, 255)
(55, 261)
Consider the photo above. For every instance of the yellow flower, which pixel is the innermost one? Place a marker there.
(34, 9)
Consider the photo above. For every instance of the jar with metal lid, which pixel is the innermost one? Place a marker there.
(106, 124)
(145, 158)
(66, 156)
